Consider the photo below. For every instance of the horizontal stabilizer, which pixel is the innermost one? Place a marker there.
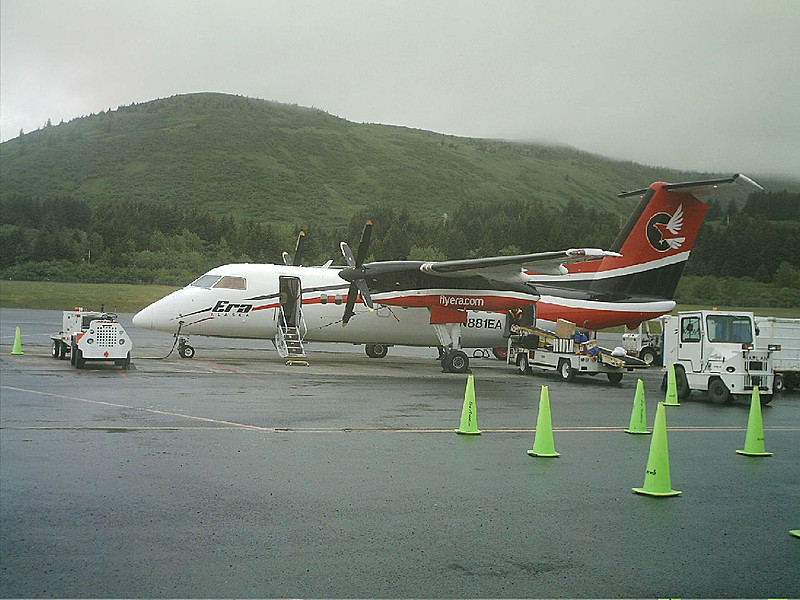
(700, 188)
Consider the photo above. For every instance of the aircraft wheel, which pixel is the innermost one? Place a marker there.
(565, 370)
(522, 363)
(718, 392)
(376, 350)
(186, 351)
(455, 361)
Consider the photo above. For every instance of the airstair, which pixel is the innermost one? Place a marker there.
(288, 340)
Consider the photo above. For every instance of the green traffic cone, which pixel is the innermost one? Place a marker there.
(17, 349)
(543, 443)
(671, 398)
(657, 478)
(639, 412)
(795, 532)
(469, 413)
(754, 440)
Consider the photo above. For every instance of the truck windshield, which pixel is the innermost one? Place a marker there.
(730, 329)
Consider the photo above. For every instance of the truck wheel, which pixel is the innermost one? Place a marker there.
(565, 370)
(455, 361)
(522, 363)
(125, 363)
(682, 383)
(80, 362)
(376, 350)
(779, 385)
(614, 377)
(648, 356)
(718, 392)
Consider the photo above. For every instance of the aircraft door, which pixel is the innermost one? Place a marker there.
(291, 299)
(690, 347)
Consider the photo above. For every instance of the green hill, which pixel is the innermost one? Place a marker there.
(286, 164)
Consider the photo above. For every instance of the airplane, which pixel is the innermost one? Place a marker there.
(452, 304)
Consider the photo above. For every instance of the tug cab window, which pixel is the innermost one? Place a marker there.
(690, 329)
(206, 281)
(230, 282)
(730, 329)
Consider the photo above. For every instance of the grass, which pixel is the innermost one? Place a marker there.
(48, 295)
(125, 298)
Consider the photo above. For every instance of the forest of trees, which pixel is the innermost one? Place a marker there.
(741, 257)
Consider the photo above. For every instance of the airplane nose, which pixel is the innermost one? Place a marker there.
(144, 318)
(160, 315)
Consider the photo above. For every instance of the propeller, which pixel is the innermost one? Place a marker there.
(298, 251)
(356, 273)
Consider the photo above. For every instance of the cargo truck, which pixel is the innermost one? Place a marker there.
(773, 331)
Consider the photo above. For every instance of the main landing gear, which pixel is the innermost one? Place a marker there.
(453, 359)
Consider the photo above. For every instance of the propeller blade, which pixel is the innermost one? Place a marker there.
(356, 273)
(348, 255)
(363, 245)
(352, 294)
(298, 249)
(364, 291)
(286, 260)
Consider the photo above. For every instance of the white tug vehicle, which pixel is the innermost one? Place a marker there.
(92, 336)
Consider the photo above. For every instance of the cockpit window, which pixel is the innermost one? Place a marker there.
(206, 281)
(231, 283)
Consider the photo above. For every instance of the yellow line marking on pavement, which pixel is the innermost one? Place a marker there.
(222, 424)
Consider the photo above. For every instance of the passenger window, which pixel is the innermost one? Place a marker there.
(690, 329)
(232, 283)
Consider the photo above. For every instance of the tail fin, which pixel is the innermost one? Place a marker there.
(657, 239)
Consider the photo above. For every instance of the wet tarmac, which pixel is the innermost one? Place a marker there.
(233, 475)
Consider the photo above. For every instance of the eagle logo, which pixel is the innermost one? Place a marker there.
(663, 230)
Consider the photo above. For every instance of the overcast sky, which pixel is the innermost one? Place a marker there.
(708, 85)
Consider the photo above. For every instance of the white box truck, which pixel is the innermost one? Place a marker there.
(774, 331)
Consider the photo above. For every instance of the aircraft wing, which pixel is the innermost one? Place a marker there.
(700, 188)
(510, 266)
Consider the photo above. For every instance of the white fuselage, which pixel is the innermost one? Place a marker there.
(254, 312)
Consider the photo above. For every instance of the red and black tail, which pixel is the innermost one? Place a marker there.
(657, 239)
